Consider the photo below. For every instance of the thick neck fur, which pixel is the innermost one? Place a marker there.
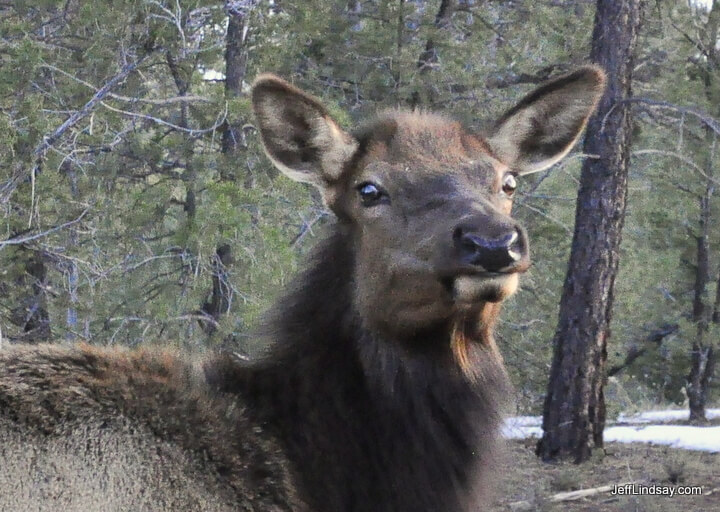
(370, 424)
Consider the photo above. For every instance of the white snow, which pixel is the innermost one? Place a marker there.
(677, 436)
(522, 427)
(515, 432)
(671, 415)
(212, 74)
(705, 4)
(524, 421)
(705, 439)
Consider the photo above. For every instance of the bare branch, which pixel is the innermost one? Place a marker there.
(680, 157)
(216, 126)
(706, 119)
(49, 140)
(549, 217)
(24, 239)
(20, 174)
(512, 78)
(129, 99)
(307, 227)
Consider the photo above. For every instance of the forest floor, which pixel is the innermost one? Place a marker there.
(527, 484)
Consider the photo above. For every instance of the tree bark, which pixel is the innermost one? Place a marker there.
(702, 355)
(235, 70)
(233, 141)
(73, 277)
(32, 313)
(221, 294)
(696, 392)
(574, 410)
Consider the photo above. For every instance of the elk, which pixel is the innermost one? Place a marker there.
(382, 389)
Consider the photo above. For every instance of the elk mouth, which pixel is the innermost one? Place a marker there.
(469, 290)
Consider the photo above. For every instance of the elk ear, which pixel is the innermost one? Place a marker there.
(545, 124)
(299, 135)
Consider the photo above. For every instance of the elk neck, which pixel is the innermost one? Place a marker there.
(368, 423)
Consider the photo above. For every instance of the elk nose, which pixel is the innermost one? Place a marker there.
(492, 253)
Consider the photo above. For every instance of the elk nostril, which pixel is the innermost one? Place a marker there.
(466, 241)
(514, 249)
(470, 243)
(457, 234)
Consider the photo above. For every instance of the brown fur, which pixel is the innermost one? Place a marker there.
(111, 429)
(382, 389)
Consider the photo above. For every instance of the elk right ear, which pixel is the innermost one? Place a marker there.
(544, 126)
(299, 135)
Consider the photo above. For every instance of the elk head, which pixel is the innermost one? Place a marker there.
(425, 204)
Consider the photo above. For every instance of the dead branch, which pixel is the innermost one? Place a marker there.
(219, 122)
(101, 93)
(657, 336)
(706, 119)
(29, 238)
(47, 142)
(680, 157)
(130, 99)
(512, 78)
(307, 227)
(582, 493)
(561, 497)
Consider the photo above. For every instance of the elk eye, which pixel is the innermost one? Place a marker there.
(370, 194)
(509, 184)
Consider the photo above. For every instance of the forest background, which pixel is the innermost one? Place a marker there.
(138, 207)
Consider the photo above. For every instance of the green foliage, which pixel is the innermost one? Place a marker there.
(160, 196)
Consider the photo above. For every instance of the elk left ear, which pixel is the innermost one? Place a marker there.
(543, 127)
(299, 135)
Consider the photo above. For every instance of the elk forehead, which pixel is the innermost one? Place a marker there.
(423, 149)
(431, 141)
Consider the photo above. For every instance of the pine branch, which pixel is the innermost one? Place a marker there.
(49, 140)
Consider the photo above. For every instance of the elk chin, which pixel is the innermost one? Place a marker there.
(470, 291)
(408, 321)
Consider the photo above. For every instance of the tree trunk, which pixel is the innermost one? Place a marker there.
(354, 9)
(574, 411)
(221, 294)
(702, 356)
(699, 352)
(233, 141)
(32, 313)
(399, 43)
(235, 70)
(73, 277)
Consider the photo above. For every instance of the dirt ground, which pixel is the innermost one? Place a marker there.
(529, 484)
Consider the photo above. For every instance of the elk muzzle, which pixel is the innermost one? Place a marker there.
(502, 249)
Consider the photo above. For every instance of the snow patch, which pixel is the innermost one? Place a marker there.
(212, 75)
(705, 439)
(676, 436)
(673, 415)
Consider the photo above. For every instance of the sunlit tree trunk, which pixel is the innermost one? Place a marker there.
(574, 411)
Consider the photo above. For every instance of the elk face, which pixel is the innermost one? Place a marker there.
(427, 204)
